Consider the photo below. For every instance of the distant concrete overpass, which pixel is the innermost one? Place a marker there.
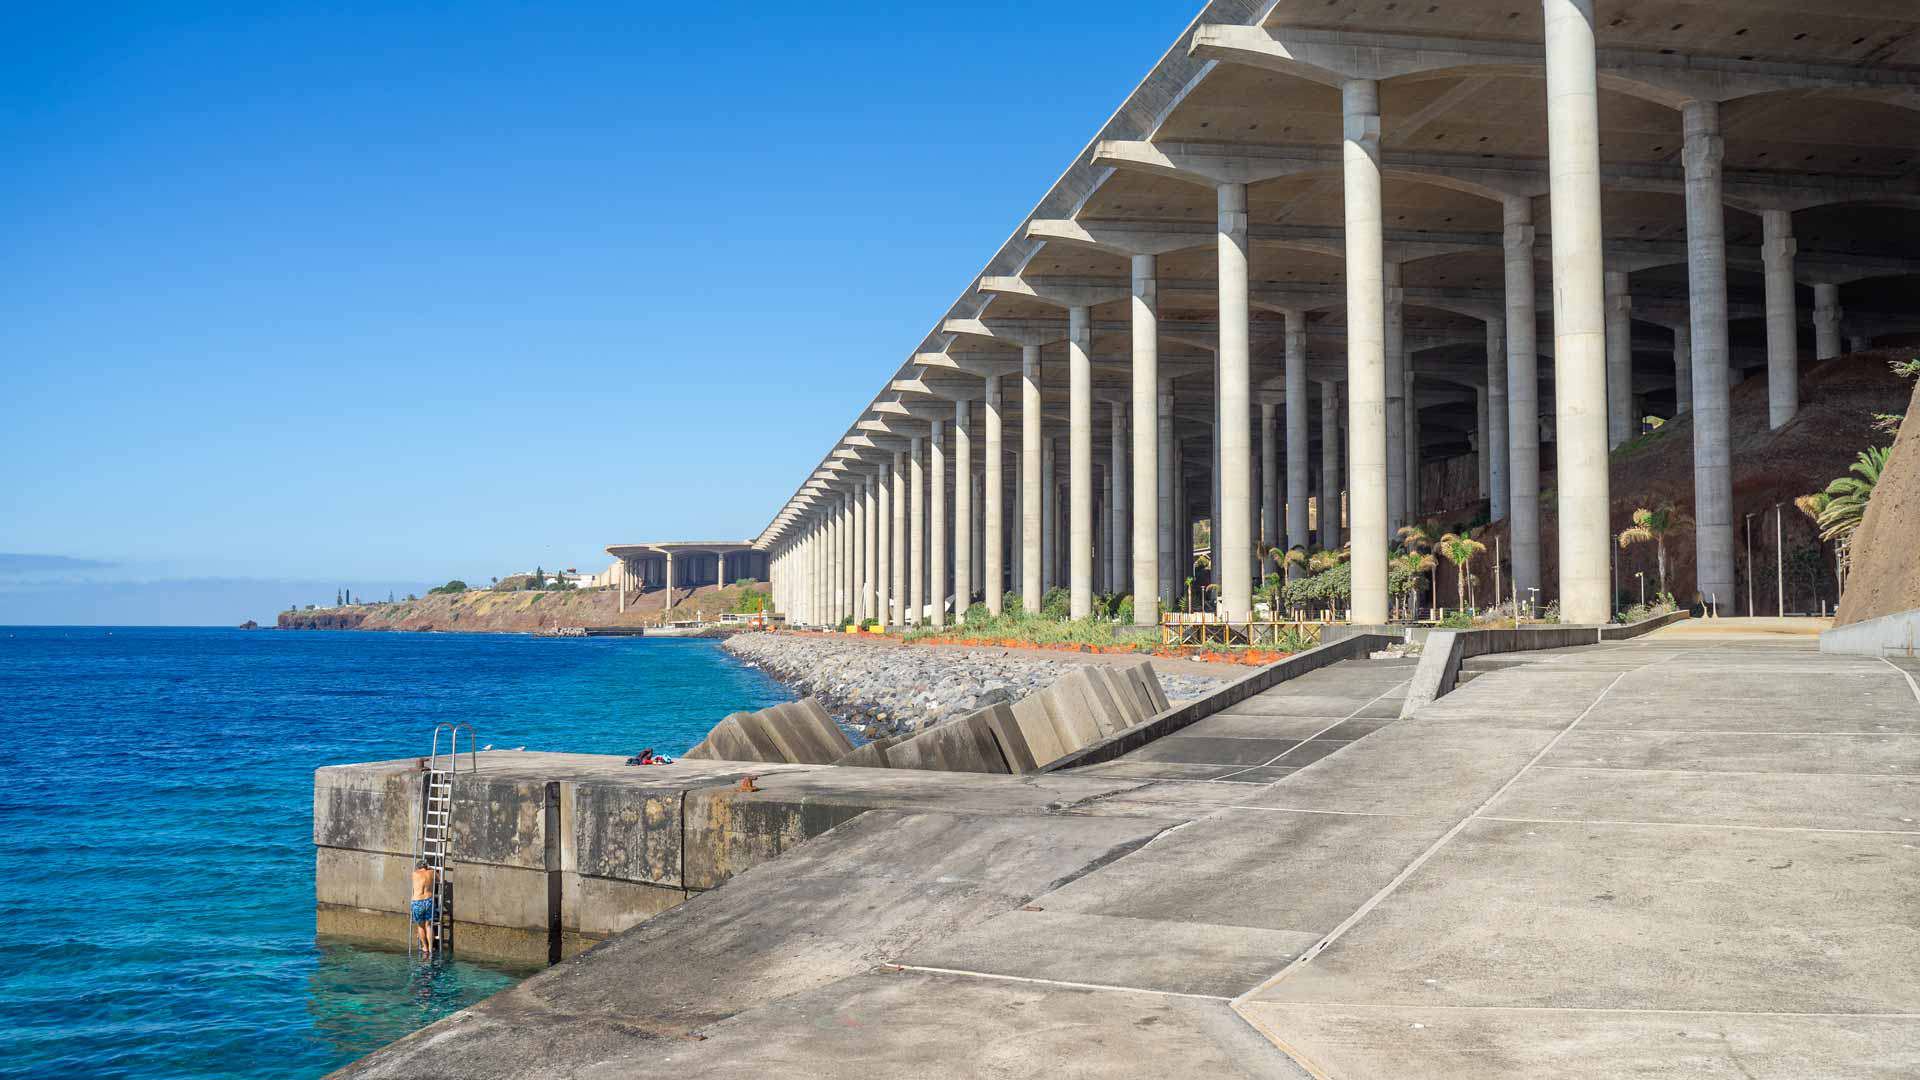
(680, 564)
(1319, 245)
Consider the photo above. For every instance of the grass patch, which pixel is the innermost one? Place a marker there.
(1031, 629)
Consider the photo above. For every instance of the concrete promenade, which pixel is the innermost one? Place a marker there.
(1679, 856)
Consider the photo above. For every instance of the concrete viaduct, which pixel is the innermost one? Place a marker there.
(1319, 245)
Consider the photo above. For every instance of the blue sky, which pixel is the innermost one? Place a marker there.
(295, 295)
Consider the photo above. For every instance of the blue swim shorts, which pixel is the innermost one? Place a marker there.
(422, 910)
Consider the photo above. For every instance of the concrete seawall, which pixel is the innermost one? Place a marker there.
(554, 853)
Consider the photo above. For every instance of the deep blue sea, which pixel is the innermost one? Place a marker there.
(156, 825)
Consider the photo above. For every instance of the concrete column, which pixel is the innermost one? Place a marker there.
(1579, 313)
(1297, 443)
(1482, 465)
(916, 534)
(1148, 498)
(1269, 491)
(1032, 484)
(1233, 532)
(962, 507)
(979, 555)
(993, 530)
(1707, 311)
(1117, 576)
(1396, 355)
(1523, 396)
(847, 557)
(1330, 473)
(1102, 528)
(1682, 369)
(939, 527)
(1367, 382)
(1620, 418)
(870, 563)
(1049, 517)
(669, 593)
(1783, 321)
(900, 545)
(1495, 443)
(1415, 502)
(1180, 553)
(1080, 462)
(1163, 490)
(830, 562)
(1826, 322)
(883, 545)
(1015, 544)
(849, 553)
(858, 544)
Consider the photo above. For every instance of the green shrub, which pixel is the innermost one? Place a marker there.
(454, 586)
(977, 613)
(1124, 613)
(1057, 603)
(1456, 620)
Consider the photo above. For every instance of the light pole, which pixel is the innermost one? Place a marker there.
(1779, 563)
(1750, 610)
(1533, 597)
(1642, 575)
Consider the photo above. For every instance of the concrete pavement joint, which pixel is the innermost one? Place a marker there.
(1354, 715)
(1059, 982)
(1421, 860)
(1911, 685)
(1700, 825)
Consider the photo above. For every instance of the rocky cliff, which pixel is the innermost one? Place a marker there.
(1886, 560)
(487, 611)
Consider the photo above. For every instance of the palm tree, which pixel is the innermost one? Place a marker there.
(1813, 505)
(1322, 561)
(1414, 563)
(1847, 497)
(1422, 537)
(1200, 562)
(1655, 526)
(1460, 551)
(1296, 556)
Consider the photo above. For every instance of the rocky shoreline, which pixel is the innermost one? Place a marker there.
(884, 689)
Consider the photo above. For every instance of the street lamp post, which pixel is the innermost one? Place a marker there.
(1779, 563)
(1750, 610)
(1642, 575)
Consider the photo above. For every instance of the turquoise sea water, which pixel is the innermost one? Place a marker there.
(156, 811)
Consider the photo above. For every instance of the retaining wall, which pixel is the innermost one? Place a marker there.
(1889, 635)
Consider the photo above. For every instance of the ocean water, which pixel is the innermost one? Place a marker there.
(156, 815)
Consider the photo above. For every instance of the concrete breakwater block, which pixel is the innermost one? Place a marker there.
(794, 733)
(1082, 708)
(871, 756)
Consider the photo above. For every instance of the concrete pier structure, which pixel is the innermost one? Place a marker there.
(1459, 219)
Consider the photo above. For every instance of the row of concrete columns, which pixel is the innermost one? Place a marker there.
(1144, 536)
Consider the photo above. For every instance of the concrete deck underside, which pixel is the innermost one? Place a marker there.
(1680, 856)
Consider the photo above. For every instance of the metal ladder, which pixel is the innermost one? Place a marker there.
(434, 843)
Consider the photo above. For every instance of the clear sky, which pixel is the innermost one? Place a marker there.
(301, 295)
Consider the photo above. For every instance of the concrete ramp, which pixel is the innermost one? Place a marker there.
(824, 913)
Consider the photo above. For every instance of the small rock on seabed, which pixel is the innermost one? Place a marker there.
(881, 690)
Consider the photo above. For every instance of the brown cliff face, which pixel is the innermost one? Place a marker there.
(330, 619)
(1885, 576)
(515, 612)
